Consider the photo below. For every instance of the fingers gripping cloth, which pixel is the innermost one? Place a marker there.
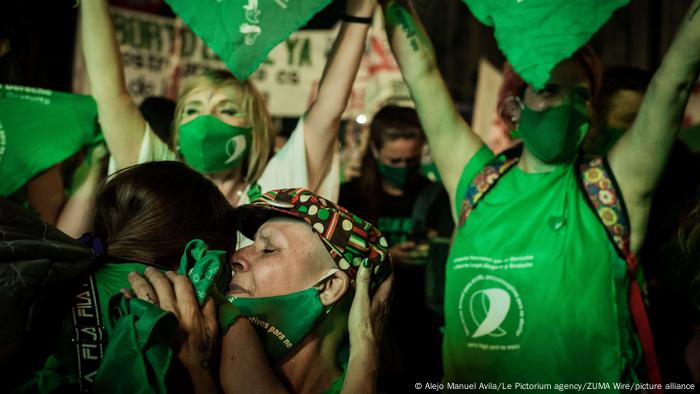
(210, 274)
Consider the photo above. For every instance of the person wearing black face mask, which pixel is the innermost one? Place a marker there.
(413, 213)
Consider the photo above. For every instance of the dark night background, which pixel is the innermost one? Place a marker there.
(42, 37)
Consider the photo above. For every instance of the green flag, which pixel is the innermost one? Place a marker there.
(243, 32)
(38, 129)
(535, 35)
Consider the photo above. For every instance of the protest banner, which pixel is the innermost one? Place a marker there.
(159, 54)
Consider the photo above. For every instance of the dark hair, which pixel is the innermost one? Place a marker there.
(393, 122)
(389, 124)
(150, 211)
(616, 78)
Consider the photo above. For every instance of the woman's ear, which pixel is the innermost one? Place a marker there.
(333, 288)
(510, 111)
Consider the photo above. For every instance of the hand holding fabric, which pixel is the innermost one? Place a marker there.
(198, 326)
(367, 316)
(365, 323)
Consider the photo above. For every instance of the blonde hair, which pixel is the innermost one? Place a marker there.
(254, 108)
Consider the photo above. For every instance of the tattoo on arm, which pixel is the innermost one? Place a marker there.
(205, 350)
(398, 15)
(694, 12)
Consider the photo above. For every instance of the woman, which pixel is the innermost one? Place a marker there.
(139, 222)
(516, 307)
(297, 289)
(140, 218)
(391, 183)
(225, 112)
(413, 213)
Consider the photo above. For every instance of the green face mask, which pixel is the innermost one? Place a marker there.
(283, 321)
(554, 135)
(398, 176)
(209, 145)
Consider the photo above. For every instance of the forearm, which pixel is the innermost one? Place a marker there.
(122, 123)
(672, 84)
(322, 120)
(203, 382)
(660, 116)
(363, 366)
(343, 62)
(451, 140)
(659, 119)
(409, 41)
(101, 50)
(78, 213)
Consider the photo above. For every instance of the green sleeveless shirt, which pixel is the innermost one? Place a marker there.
(535, 291)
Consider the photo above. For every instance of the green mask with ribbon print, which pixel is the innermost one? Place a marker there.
(210, 145)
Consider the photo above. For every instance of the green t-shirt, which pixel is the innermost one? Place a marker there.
(535, 291)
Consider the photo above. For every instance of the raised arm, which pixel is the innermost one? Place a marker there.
(452, 142)
(122, 123)
(322, 120)
(78, 212)
(638, 159)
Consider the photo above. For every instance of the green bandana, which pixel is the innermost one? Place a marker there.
(204, 268)
(210, 275)
(283, 321)
(554, 135)
(209, 145)
(243, 32)
(40, 128)
(398, 176)
(536, 35)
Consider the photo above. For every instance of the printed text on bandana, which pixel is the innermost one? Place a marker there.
(272, 330)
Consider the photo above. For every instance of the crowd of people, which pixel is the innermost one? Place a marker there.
(190, 254)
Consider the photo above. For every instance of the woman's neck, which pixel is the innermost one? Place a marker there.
(230, 183)
(314, 367)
